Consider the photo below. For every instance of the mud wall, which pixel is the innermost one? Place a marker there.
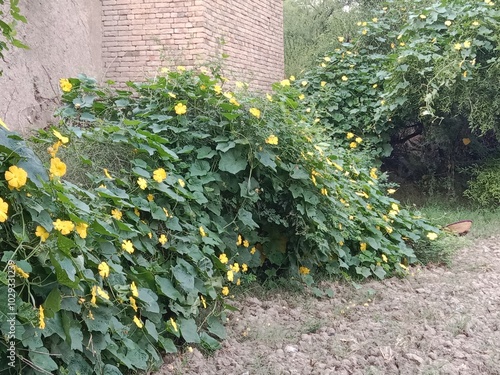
(64, 39)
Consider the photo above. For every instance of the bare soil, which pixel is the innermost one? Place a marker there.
(437, 320)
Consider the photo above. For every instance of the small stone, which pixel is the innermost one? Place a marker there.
(415, 358)
(291, 349)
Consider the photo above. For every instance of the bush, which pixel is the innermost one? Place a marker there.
(219, 185)
(484, 186)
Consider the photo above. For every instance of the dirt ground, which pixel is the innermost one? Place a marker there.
(438, 320)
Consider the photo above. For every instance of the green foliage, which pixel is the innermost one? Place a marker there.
(484, 186)
(218, 185)
(8, 32)
(439, 251)
(311, 28)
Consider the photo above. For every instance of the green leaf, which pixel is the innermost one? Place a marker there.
(206, 153)
(167, 344)
(65, 270)
(199, 168)
(189, 330)
(149, 298)
(151, 330)
(267, 159)
(52, 303)
(233, 161)
(379, 272)
(225, 146)
(246, 218)
(299, 173)
(111, 370)
(215, 327)
(168, 289)
(185, 279)
(41, 358)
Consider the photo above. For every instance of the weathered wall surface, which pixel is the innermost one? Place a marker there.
(131, 40)
(64, 39)
(141, 36)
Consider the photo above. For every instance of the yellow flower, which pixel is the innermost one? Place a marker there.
(235, 268)
(41, 318)
(269, 97)
(423, 16)
(64, 226)
(225, 291)
(134, 290)
(344, 78)
(102, 293)
(350, 135)
(323, 65)
(159, 175)
(181, 182)
(223, 258)
(93, 293)
(230, 275)
(150, 197)
(391, 191)
(464, 73)
(375, 86)
(172, 95)
(181, 68)
(16, 177)
(466, 141)
(324, 191)
(362, 246)
(143, 184)
(313, 179)
(65, 84)
(272, 140)
(457, 46)
(57, 167)
(364, 32)
(358, 140)
(233, 101)
(255, 112)
(150, 235)
(137, 212)
(138, 322)
(239, 84)
(475, 23)
(285, 82)
(246, 243)
(384, 258)
(21, 272)
(202, 231)
(59, 136)
(389, 230)
(40, 231)
(340, 39)
(304, 83)
(375, 20)
(304, 270)
(81, 229)
(447, 23)
(164, 70)
(117, 214)
(467, 44)
(292, 78)
(4, 209)
(253, 250)
(128, 246)
(394, 206)
(106, 173)
(244, 267)
(239, 240)
(353, 145)
(432, 236)
(373, 173)
(163, 239)
(180, 108)
(174, 324)
(393, 45)
(203, 302)
(103, 269)
(403, 266)
(302, 97)
(323, 83)
(218, 89)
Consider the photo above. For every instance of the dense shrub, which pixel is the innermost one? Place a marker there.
(484, 186)
(219, 185)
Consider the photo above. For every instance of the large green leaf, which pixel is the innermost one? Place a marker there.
(233, 161)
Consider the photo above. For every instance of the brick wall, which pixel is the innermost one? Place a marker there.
(141, 36)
